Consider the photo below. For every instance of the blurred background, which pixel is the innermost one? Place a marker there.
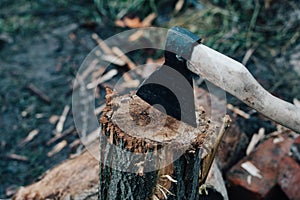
(43, 43)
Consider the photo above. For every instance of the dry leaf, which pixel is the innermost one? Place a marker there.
(133, 23)
(136, 21)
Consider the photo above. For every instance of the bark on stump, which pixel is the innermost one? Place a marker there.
(145, 154)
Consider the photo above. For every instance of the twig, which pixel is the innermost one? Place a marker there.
(208, 160)
(39, 93)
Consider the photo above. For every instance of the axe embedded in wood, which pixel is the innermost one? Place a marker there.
(185, 54)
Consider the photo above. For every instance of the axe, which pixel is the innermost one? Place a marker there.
(185, 55)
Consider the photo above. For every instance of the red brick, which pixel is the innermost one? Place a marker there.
(266, 158)
(289, 177)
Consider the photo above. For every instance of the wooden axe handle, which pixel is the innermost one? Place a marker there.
(234, 78)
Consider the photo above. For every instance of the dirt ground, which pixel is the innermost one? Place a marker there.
(42, 45)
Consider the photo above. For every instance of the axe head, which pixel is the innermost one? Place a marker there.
(170, 87)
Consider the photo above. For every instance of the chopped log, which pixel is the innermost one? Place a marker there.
(146, 154)
(75, 178)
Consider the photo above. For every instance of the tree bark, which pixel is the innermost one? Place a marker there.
(145, 154)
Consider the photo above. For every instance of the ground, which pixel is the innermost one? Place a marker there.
(44, 43)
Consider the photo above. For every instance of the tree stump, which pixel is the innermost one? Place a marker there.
(145, 154)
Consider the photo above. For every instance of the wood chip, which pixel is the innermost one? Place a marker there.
(60, 136)
(148, 20)
(170, 178)
(123, 57)
(62, 119)
(238, 111)
(136, 35)
(39, 93)
(104, 78)
(102, 44)
(113, 59)
(53, 119)
(57, 148)
(255, 139)
(296, 102)
(179, 5)
(86, 72)
(247, 56)
(29, 137)
(251, 169)
(278, 140)
(17, 157)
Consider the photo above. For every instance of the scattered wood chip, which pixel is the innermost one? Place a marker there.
(148, 20)
(92, 136)
(249, 179)
(113, 59)
(170, 178)
(278, 139)
(296, 102)
(53, 119)
(238, 111)
(39, 115)
(129, 84)
(255, 139)
(17, 157)
(179, 5)
(29, 137)
(136, 35)
(101, 43)
(62, 119)
(38, 92)
(251, 169)
(247, 56)
(75, 143)
(11, 190)
(60, 136)
(86, 72)
(57, 148)
(123, 57)
(102, 79)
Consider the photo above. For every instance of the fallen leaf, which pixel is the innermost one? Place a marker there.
(133, 22)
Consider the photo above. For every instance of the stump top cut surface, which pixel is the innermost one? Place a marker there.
(138, 119)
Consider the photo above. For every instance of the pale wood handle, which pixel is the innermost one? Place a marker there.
(234, 78)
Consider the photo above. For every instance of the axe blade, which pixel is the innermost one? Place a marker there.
(170, 88)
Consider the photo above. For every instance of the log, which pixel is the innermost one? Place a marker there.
(145, 154)
(72, 179)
